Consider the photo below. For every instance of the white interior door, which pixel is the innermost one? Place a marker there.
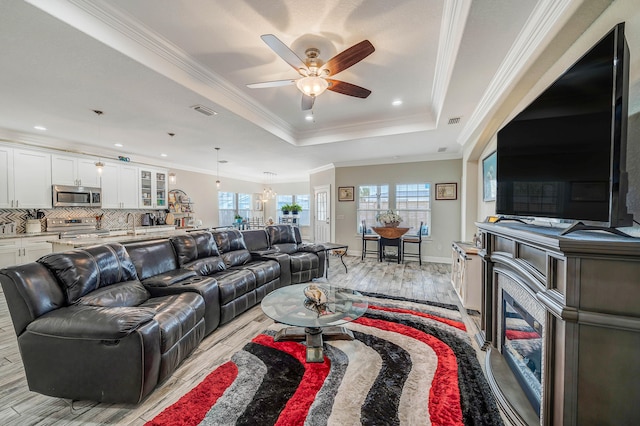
(322, 221)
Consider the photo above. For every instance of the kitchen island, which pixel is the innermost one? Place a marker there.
(121, 236)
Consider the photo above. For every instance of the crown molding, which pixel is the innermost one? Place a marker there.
(542, 24)
(454, 20)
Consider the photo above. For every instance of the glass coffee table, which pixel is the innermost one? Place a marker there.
(311, 322)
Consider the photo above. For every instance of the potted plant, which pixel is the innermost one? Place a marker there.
(286, 208)
(389, 219)
(238, 218)
(295, 208)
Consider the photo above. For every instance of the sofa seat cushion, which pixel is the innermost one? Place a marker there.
(233, 283)
(126, 294)
(302, 261)
(176, 315)
(265, 271)
(90, 322)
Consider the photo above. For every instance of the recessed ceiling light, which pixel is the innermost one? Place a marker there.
(163, 155)
(119, 145)
(397, 102)
(309, 117)
(40, 128)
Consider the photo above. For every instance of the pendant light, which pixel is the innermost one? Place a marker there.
(268, 193)
(217, 168)
(99, 164)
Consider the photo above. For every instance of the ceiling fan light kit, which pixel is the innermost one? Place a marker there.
(314, 72)
(312, 85)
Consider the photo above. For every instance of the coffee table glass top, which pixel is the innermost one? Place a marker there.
(290, 306)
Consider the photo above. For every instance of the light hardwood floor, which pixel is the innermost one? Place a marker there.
(19, 406)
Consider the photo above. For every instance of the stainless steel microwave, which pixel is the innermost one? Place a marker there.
(76, 196)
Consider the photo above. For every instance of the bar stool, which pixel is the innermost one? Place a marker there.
(368, 238)
(413, 239)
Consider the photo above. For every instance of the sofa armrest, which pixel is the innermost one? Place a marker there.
(91, 322)
(285, 266)
(262, 254)
(310, 247)
(169, 278)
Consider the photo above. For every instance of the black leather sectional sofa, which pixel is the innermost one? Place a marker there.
(109, 322)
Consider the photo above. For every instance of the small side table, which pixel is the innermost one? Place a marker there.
(389, 236)
(330, 247)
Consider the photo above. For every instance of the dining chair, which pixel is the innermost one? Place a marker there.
(368, 238)
(413, 239)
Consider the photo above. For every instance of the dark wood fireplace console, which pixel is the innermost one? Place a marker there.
(582, 292)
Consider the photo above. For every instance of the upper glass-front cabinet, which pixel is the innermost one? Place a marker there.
(153, 189)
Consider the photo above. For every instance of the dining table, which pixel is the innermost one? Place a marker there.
(390, 236)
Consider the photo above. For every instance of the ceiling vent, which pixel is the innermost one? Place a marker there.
(454, 120)
(442, 149)
(204, 110)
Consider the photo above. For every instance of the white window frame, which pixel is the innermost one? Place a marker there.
(372, 200)
(415, 206)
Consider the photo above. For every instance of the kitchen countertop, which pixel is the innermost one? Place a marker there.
(35, 234)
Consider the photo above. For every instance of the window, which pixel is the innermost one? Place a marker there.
(372, 199)
(230, 204)
(244, 206)
(304, 217)
(226, 207)
(413, 204)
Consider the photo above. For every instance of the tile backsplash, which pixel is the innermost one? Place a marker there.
(112, 219)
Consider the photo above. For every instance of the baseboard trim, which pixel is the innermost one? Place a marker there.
(430, 259)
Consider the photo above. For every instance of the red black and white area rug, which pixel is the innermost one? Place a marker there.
(410, 364)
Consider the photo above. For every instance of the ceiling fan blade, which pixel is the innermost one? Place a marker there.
(284, 52)
(276, 83)
(307, 102)
(347, 88)
(351, 56)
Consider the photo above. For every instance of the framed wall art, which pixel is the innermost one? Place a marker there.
(345, 193)
(489, 182)
(446, 191)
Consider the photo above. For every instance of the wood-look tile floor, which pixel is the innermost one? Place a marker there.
(19, 406)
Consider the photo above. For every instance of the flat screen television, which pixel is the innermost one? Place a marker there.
(564, 155)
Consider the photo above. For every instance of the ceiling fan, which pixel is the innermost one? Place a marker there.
(315, 73)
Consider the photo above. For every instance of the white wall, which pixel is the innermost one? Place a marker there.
(445, 214)
(202, 190)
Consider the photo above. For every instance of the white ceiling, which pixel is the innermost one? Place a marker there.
(146, 62)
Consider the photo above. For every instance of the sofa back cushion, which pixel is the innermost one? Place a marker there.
(232, 247)
(256, 240)
(282, 238)
(194, 246)
(82, 271)
(152, 257)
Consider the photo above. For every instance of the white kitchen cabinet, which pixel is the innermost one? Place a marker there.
(119, 186)
(25, 179)
(466, 274)
(16, 251)
(6, 177)
(74, 171)
(153, 188)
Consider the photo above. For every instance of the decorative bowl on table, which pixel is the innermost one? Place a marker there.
(316, 294)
